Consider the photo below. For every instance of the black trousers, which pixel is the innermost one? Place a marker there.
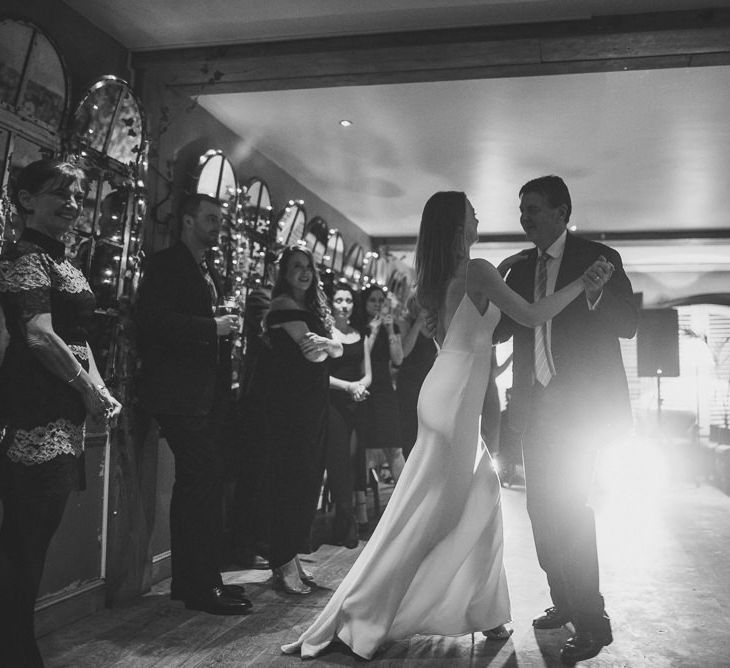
(30, 519)
(197, 501)
(559, 465)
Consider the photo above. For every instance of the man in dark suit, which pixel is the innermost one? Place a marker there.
(569, 395)
(185, 384)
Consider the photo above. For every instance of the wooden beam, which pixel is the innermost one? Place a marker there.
(645, 41)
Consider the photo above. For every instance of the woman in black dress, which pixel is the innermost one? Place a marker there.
(298, 327)
(350, 378)
(384, 342)
(48, 384)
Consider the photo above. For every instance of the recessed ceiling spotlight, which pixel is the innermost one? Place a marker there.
(345, 123)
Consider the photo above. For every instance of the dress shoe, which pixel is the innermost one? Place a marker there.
(553, 618)
(296, 589)
(584, 645)
(231, 590)
(498, 633)
(234, 591)
(217, 601)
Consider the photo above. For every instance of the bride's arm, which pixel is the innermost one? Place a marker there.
(485, 281)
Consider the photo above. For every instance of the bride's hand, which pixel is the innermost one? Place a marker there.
(505, 265)
(431, 320)
(596, 276)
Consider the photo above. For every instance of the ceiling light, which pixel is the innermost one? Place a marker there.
(345, 123)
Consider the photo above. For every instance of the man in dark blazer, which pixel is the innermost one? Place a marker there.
(185, 383)
(573, 401)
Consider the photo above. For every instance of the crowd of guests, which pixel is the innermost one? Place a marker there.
(330, 380)
(332, 376)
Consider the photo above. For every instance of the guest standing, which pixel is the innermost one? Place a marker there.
(298, 326)
(419, 353)
(350, 377)
(49, 384)
(384, 342)
(185, 383)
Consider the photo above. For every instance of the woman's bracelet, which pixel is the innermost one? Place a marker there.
(76, 375)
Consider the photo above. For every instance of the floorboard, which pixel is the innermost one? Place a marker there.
(663, 547)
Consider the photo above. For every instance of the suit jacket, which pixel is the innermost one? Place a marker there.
(585, 344)
(183, 359)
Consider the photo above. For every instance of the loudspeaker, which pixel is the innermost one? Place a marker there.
(657, 342)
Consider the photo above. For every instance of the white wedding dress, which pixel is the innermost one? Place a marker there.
(434, 563)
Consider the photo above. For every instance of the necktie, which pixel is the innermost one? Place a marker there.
(544, 368)
(211, 285)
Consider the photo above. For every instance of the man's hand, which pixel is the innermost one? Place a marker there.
(596, 277)
(225, 325)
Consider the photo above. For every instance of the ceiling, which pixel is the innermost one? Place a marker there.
(145, 25)
(640, 151)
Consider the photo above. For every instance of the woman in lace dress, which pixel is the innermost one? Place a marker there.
(48, 384)
(434, 563)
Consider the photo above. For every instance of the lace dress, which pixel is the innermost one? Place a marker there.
(434, 563)
(44, 416)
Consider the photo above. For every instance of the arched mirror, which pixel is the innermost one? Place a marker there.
(109, 141)
(375, 268)
(256, 214)
(257, 208)
(290, 223)
(110, 122)
(214, 176)
(334, 256)
(354, 261)
(33, 107)
(33, 79)
(316, 235)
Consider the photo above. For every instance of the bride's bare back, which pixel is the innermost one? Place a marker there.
(453, 295)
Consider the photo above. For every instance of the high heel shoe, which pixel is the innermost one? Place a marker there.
(280, 584)
(304, 575)
(498, 633)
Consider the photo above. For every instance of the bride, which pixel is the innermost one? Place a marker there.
(434, 563)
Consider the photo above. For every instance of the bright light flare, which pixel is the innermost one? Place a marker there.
(632, 480)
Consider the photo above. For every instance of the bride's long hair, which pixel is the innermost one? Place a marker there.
(437, 248)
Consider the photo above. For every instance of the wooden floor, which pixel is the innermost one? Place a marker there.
(664, 545)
